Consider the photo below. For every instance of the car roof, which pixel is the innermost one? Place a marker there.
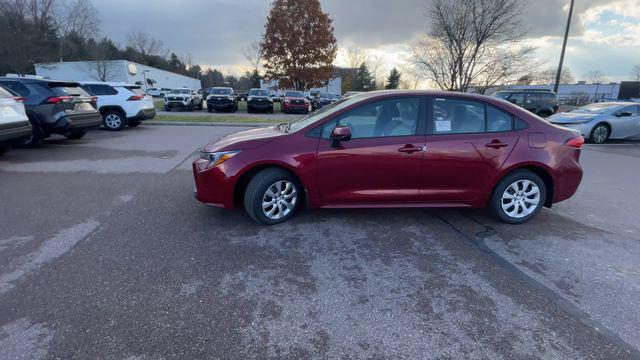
(37, 80)
(617, 103)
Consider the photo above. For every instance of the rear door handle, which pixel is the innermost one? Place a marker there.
(409, 149)
(496, 144)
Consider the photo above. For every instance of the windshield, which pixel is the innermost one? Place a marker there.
(502, 95)
(595, 108)
(180, 91)
(293, 94)
(322, 113)
(223, 91)
(258, 92)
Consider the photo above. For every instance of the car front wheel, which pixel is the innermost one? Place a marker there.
(518, 197)
(272, 196)
(600, 134)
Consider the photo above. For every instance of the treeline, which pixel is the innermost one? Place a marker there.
(41, 31)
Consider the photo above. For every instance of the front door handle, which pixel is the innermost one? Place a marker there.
(496, 144)
(410, 149)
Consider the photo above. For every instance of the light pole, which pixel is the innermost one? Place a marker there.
(564, 46)
(144, 75)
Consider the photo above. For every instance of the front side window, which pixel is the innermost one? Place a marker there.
(517, 98)
(633, 110)
(386, 118)
(456, 116)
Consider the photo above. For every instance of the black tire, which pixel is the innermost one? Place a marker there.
(249, 109)
(134, 123)
(496, 201)
(209, 109)
(600, 133)
(35, 140)
(544, 114)
(76, 135)
(257, 188)
(166, 108)
(114, 120)
(190, 107)
(4, 149)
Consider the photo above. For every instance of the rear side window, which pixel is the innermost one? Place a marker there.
(16, 87)
(100, 90)
(533, 98)
(549, 97)
(69, 91)
(456, 116)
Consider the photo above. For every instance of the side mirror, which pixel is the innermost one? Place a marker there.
(339, 134)
(623, 114)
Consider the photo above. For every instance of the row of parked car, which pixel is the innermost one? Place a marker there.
(226, 99)
(33, 108)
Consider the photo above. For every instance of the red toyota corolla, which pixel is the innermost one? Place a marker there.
(395, 149)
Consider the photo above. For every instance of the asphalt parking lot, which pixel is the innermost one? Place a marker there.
(104, 254)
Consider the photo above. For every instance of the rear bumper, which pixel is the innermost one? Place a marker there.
(76, 122)
(142, 115)
(13, 131)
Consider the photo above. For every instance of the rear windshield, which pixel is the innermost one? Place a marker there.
(16, 87)
(258, 92)
(136, 90)
(180, 91)
(69, 91)
(293, 94)
(220, 91)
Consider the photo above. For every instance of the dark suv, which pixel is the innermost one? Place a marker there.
(259, 100)
(54, 107)
(221, 98)
(543, 103)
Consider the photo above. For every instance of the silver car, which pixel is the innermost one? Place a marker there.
(602, 121)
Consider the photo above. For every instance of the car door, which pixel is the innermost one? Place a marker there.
(467, 143)
(532, 102)
(625, 122)
(382, 162)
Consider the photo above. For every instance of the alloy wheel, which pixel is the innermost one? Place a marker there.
(113, 121)
(279, 200)
(600, 134)
(520, 199)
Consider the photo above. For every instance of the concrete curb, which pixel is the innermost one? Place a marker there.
(200, 123)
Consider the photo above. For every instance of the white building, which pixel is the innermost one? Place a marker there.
(116, 71)
(334, 86)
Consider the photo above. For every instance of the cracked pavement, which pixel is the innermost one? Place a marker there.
(104, 254)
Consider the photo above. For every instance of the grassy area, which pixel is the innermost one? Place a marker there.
(158, 103)
(177, 117)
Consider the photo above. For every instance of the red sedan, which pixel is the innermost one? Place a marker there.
(394, 149)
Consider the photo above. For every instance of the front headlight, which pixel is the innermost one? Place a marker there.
(249, 98)
(217, 158)
(231, 97)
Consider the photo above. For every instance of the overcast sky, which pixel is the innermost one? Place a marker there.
(605, 34)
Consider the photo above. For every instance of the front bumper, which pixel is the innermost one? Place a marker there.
(175, 104)
(260, 105)
(220, 104)
(295, 107)
(14, 131)
(144, 114)
(213, 186)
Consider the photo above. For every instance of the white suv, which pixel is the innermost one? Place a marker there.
(14, 123)
(183, 98)
(121, 104)
(158, 92)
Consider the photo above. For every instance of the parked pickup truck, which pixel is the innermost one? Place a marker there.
(183, 98)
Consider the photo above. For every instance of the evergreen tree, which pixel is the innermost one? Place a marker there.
(363, 80)
(393, 79)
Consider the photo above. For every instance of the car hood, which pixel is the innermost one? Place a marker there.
(242, 140)
(571, 118)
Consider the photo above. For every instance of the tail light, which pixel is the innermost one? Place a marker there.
(18, 98)
(94, 99)
(57, 99)
(575, 142)
(135, 98)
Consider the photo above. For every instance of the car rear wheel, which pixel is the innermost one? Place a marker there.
(600, 133)
(272, 196)
(35, 140)
(518, 197)
(113, 120)
(75, 135)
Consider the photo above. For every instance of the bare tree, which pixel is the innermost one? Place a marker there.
(355, 57)
(102, 70)
(376, 65)
(472, 42)
(144, 43)
(548, 76)
(635, 72)
(253, 55)
(594, 77)
(77, 17)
